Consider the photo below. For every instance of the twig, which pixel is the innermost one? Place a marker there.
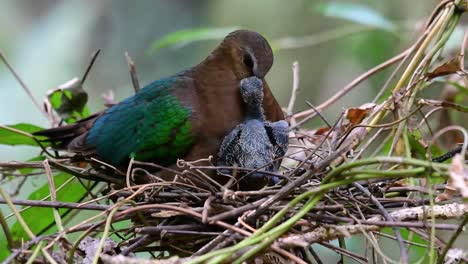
(53, 194)
(20, 219)
(322, 233)
(105, 233)
(206, 209)
(307, 118)
(133, 74)
(35, 203)
(24, 247)
(90, 65)
(140, 242)
(295, 88)
(462, 130)
(237, 211)
(352, 85)
(6, 231)
(406, 241)
(345, 252)
(404, 254)
(23, 224)
(182, 210)
(313, 253)
(453, 238)
(445, 104)
(462, 56)
(450, 154)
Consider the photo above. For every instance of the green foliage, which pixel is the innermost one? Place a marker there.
(184, 37)
(357, 13)
(4, 251)
(415, 252)
(13, 138)
(70, 101)
(40, 219)
(418, 149)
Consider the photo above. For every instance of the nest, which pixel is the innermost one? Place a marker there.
(373, 168)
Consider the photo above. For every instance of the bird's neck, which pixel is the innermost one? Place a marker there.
(255, 112)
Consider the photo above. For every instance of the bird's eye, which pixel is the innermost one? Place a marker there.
(248, 61)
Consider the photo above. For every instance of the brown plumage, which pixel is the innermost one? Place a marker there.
(217, 81)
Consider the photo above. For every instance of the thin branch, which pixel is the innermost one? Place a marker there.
(307, 118)
(53, 194)
(36, 203)
(453, 238)
(6, 231)
(352, 85)
(404, 254)
(133, 74)
(322, 233)
(295, 88)
(90, 65)
(345, 252)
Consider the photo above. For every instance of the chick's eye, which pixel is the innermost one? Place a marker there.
(248, 61)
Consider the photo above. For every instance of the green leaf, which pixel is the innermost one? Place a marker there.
(12, 138)
(187, 36)
(414, 252)
(357, 13)
(40, 218)
(4, 251)
(69, 101)
(416, 147)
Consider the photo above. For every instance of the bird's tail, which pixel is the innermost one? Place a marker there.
(61, 137)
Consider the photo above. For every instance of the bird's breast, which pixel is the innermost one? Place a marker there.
(221, 108)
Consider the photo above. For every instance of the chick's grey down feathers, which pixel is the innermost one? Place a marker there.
(255, 143)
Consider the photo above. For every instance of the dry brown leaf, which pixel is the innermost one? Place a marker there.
(399, 183)
(446, 195)
(450, 67)
(356, 115)
(322, 131)
(459, 175)
(458, 180)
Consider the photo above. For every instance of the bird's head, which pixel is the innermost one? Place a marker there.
(252, 91)
(249, 53)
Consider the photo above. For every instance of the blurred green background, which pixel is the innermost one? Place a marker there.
(49, 42)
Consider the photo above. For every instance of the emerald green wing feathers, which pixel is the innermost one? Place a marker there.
(152, 125)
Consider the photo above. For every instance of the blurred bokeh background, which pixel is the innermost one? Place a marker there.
(49, 42)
